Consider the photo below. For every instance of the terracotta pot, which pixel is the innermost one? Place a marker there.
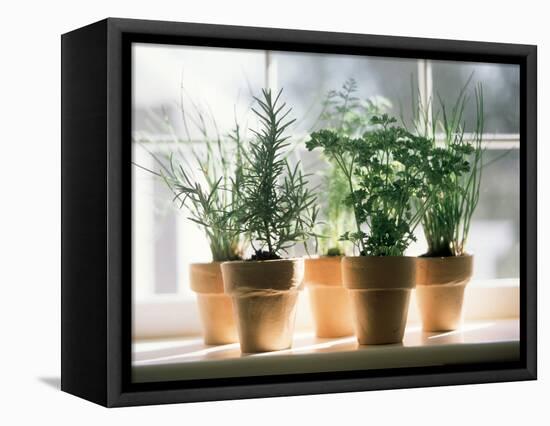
(328, 298)
(264, 295)
(215, 308)
(440, 284)
(380, 289)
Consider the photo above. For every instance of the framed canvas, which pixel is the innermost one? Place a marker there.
(255, 212)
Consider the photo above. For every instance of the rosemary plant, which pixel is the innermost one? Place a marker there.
(208, 195)
(446, 222)
(387, 171)
(275, 206)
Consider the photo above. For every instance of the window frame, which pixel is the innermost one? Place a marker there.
(148, 299)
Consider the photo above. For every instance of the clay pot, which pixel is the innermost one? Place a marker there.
(264, 295)
(380, 289)
(440, 284)
(328, 298)
(215, 308)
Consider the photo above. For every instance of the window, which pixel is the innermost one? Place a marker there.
(167, 77)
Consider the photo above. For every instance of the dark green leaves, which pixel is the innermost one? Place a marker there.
(388, 171)
(345, 118)
(454, 178)
(276, 207)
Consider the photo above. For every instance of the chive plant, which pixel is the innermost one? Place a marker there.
(275, 207)
(203, 177)
(446, 222)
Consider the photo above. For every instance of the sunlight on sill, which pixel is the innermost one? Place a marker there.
(309, 348)
(201, 352)
(193, 349)
(462, 330)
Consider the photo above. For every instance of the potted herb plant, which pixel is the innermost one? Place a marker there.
(277, 210)
(446, 268)
(385, 170)
(345, 114)
(329, 301)
(207, 196)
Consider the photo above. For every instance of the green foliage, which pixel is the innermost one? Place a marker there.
(336, 213)
(347, 115)
(446, 222)
(275, 206)
(344, 111)
(335, 251)
(388, 171)
(209, 195)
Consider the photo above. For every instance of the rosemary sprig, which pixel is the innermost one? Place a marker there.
(275, 206)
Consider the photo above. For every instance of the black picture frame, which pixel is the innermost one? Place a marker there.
(96, 226)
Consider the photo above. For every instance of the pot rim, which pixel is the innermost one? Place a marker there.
(366, 273)
(210, 281)
(462, 256)
(204, 263)
(213, 262)
(335, 259)
(323, 271)
(266, 275)
(379, 257)
(286, 259)
(444, 271)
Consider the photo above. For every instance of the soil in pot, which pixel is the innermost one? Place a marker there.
(379, 288)
(329, 300)
(264, 295)
(215, 307)
(440, 284)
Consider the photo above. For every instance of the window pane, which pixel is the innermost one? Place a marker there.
(213, 87)
(218, 85)
(500, 91)
(218, 82)
(307, 77)
(166, 250)
(495, 228)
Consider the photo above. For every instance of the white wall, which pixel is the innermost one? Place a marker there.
(29, 216)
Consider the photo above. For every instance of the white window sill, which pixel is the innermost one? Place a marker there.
(189, 358)
(172, 315)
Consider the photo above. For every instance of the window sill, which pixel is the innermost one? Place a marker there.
(170, 315)
(189, 358)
